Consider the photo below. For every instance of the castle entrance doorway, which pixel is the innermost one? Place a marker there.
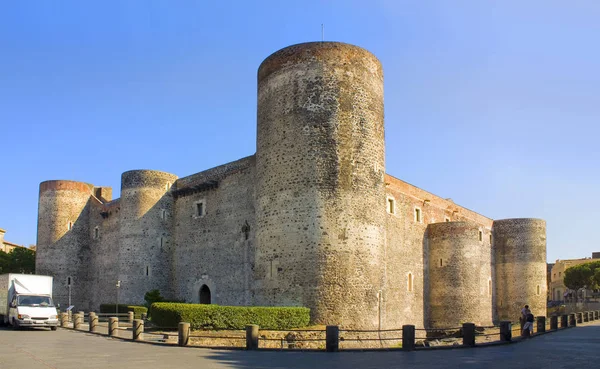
(204, 294)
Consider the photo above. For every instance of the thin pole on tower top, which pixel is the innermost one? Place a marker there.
(322, 32)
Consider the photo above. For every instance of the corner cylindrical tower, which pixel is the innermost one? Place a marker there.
(62, 249)
(320, 200)
(520, 253)
(145, 230)
(457, 291)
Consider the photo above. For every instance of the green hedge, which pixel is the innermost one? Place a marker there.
(124, 308)
(201, 316)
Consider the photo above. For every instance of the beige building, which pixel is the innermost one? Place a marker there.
(5, 245)
(557, 275)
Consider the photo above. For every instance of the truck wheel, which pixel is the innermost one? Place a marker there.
(53, 328)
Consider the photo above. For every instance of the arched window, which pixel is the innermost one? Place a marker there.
(204, 294)
(410, 282)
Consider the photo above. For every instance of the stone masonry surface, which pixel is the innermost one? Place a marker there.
(311, 219)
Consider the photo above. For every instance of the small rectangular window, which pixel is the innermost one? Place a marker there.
(559, 274)
(391, 206)
(70, 226)
(480, 236)
(418, 215)
(441, 262)
(490, 238)
(200, 208)
(96, 233)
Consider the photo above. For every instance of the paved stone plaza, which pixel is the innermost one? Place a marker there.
(571, 348)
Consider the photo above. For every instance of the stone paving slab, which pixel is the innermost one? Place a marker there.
(65, 349)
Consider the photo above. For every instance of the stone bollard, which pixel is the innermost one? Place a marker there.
(505, 331)
(572, 320)
(93, 320)
(468, 334)
(77, 320)
(252, 337)
(596, 315)
(184, 334)
(408, 337)
(332, 338)
(130, 316)
(64, 320)
(138, 330)
(564, 321)
(82, 315)
(144, 316)
(579, 317)
(553, 323)
(541, 324)
(113, 326)
(592, 318)
(586, 316)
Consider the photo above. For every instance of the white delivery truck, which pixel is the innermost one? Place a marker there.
(26, 301)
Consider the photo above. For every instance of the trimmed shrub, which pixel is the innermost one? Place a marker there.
(124, 309)
(202, 316)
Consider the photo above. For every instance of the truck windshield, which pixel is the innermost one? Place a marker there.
(27, 300)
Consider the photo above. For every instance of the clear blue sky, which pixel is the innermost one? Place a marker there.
(495, 104)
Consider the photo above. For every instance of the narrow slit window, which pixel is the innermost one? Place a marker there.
(410, 282)
(68, 281)
(441, 262)
(538, 289)
(480, 236)
(161, 242)
(490, 287)
(163, 214)
(391, 206)
(96, 233)
(147, 270)
(490, 239)
(446, 219)
(200, 209)
(418, 215)
(70, 226)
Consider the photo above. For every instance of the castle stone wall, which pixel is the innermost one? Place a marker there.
(520, 255)
(145, 254)
(320, 167)
(216, 249)
(63, 249)
(457, 292)
(104, 269)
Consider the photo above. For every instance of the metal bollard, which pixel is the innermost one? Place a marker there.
(130, 316)
(184, 334)
(252, 337)
(113, 326)
(64, 320)
(572, 320)
(553, 323)
(93, 320)
(332, 338)
(541, 324)
(505, 331)
(468, 334)
(138, 330)
(408, 337)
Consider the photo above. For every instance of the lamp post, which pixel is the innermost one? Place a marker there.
(117, 306)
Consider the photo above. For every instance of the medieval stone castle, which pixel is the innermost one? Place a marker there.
(312, 219)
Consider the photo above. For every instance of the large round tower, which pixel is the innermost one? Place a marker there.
(520, 253)
(145, 232)
(457, 291)
(320, 200)
(62, 249)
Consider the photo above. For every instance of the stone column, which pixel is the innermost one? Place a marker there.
(408, 337)
(252, 337)
(332, 338)
(93, 322)
(130, 316)
(113, 326)
(138, 330)
(184, 334)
